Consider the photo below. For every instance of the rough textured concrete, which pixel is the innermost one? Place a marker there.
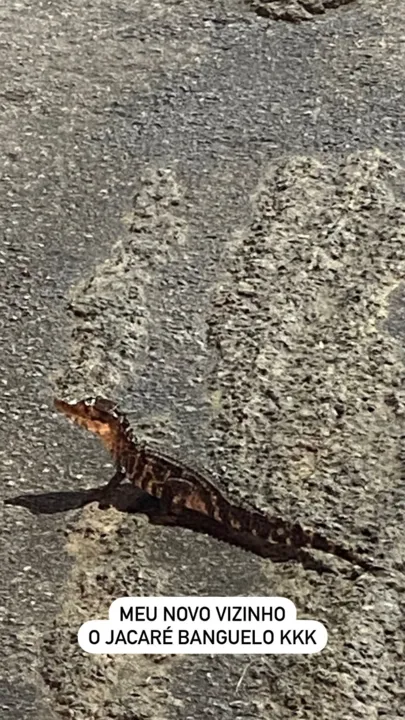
(203, 218)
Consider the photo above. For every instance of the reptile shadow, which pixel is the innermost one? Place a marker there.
(126, 498)
(130, 499)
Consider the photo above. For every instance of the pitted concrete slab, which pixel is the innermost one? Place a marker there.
(213, 95)
(307, 415)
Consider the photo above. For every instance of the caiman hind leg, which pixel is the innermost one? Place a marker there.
(176, 496)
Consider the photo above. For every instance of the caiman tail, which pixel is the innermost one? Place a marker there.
(265, 531)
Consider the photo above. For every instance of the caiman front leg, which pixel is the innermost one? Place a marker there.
(116, 479)
(112, 485)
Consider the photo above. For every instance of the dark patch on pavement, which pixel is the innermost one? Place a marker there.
(294, 10)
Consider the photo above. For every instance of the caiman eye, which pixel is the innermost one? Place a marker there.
(105, 405)
(90, 401)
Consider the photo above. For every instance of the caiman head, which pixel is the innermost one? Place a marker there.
(98, 415)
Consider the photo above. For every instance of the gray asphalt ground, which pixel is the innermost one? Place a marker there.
(203, 217)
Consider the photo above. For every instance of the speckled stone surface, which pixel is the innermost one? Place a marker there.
(203, 217)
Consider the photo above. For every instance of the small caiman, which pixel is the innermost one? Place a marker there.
(188, 498)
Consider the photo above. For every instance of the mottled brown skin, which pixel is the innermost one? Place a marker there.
(184, 493)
